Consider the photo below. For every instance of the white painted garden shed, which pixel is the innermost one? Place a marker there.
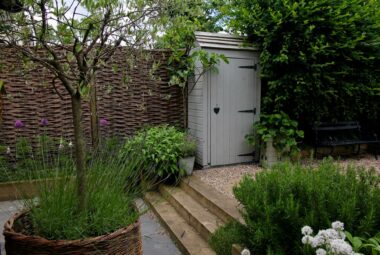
(223, 104)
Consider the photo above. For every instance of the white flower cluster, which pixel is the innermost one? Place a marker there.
(245, 252)
(328, 241)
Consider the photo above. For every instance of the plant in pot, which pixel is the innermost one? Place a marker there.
(187, 159)
(277, 137)
(162, 145)
(109, 224)
(73, 40)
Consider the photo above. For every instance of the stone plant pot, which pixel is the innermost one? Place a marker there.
(125, 241)
(269, 155)
(187, 164)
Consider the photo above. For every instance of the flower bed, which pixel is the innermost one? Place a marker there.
(279, 201)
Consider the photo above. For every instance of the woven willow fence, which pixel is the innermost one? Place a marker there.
(131, 92)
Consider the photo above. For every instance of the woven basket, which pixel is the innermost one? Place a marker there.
(125, 241)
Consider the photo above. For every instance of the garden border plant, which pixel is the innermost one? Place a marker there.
(111, 182)
(336, 241)
(164, 145)
(280, 201)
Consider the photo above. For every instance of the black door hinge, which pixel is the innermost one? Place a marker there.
(249, 111)
(254, 67)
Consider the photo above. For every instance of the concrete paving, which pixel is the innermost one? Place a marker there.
(156, 240)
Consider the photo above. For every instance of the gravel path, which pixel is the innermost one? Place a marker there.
(224, 178)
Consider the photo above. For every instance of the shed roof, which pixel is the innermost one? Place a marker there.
(220, 41)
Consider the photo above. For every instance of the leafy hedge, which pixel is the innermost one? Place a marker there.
(320, 59)
(279, 202)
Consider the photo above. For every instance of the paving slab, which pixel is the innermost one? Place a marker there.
(156, 240)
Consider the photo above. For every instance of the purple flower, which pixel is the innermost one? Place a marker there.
(44, 122)
(104, 122)
(19, 124)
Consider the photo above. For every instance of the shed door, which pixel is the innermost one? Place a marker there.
(232, 106)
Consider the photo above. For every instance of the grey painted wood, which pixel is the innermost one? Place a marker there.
(196, 115)
(220, 139)
(220, 41)
(232, 89)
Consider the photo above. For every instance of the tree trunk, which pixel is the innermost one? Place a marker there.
(94, 115)
(80, 153)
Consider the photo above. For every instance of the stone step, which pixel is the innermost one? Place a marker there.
(223, 207)
(194, 213)
(188, 239)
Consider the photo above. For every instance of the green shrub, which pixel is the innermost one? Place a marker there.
(224, 237)
(161, 145)
(319, 58)
(279, 202)
(281, 129)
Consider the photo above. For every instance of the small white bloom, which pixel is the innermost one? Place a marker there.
(307, 231)
(332, 234)
(245, 252)
(70, 144)
(320, 251)
(8, 150)
(61, 146)
(340, 247)
(318, 241)
(338, 226)
(307, 240)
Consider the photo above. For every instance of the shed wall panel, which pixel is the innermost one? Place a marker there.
(196, 119)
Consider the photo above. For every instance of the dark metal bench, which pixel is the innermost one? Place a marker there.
(348, 133)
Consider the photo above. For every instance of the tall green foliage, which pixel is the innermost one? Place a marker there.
(280, 201)
(319, 59)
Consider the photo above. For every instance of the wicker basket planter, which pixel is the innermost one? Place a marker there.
(125, 241)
